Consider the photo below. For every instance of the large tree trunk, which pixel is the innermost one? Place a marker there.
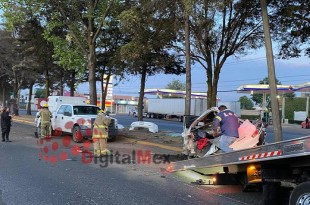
(105, 93)
(102, 91)
(141, 96)
(47, 84)
(30, 98)
(61, 87)
(216, 77)
(3, 94)
(14, 105)
(72, 82)
(92, 74)
(209, 74)
(188, 67)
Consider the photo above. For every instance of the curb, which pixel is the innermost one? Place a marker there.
(23, 121)
(167, 147)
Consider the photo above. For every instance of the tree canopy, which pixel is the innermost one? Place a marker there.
(246, 103)
(57, 43)
(176, 85)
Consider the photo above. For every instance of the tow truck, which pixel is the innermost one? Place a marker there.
(281, 169)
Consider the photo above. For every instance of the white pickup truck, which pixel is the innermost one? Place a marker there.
(79, 119)
(73, 116)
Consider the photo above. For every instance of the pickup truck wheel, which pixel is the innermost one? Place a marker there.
(52, 131)
(301, 194)
(77, 135)
(112, 139)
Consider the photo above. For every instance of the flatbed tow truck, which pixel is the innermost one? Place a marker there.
(281, 170)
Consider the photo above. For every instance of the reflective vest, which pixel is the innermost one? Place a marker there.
(45, 116)
(101, 125)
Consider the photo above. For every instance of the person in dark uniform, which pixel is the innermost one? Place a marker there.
(225, 126)
(307, 123)
(5, 124)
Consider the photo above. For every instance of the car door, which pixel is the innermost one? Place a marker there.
(67, 122)
(58, 122)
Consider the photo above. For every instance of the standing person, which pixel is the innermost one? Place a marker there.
(5, 124)
(100, 134)
(45, 120)
(307, 123)
(226, 121)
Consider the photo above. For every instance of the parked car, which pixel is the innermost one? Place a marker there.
(303, 124)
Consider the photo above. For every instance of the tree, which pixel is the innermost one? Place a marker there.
(85, 21)
(176, 85)
(246, 103)
(40, 93)
(290, 24)
(148, 51)
(221, 29)
(6, 43)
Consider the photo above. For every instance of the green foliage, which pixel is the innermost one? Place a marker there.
(290, 26)
(246, 103)
(221, 29)
(295, 104)
(40, 93)
(176, 85)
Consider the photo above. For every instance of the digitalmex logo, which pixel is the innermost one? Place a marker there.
(49, 150)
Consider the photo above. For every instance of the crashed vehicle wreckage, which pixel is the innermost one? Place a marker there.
(198, 140)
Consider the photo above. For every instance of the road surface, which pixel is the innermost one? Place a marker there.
(29, 178)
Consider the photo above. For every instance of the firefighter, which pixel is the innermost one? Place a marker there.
(45, 121)
(100, 134)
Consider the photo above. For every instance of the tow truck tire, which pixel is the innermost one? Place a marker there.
(301, 194)
(76, 134)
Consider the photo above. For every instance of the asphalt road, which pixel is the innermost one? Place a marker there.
(26, 178)
(174, 127)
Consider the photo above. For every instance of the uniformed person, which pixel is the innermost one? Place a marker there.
(45, 121)
(100, 134)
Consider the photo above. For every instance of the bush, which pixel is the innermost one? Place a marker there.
(294, 104)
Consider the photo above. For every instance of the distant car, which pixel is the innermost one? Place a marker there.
(303, 124)
(135, 114)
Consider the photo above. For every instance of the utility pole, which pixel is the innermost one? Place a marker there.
(188, 65)
(271, 76)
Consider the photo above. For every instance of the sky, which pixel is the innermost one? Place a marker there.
(249, 69)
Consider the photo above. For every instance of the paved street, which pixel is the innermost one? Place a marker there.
(24, 179)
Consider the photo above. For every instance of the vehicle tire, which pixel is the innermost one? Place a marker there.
(52, 131)
(152, 115)
(112, 139)
(76, 134)
(301, 194)
(180, 119)
(270, 193)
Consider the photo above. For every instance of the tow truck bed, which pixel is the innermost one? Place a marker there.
(298, 147)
